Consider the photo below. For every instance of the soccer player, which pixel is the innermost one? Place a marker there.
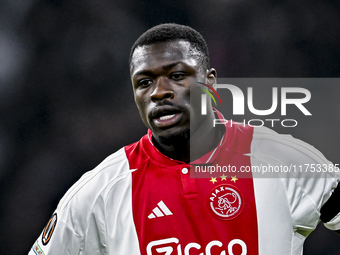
(142, 199)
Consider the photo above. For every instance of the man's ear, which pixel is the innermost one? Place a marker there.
(211, 77)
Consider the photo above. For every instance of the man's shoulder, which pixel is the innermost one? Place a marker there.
(94, 184)
(283, 146)
(271, 137)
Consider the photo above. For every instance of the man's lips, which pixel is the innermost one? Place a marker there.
(167, 120)
(165, 116)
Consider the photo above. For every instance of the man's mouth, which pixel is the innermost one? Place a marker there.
(167, 120)
(165, 116)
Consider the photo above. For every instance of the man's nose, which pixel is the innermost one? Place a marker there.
(162, 91)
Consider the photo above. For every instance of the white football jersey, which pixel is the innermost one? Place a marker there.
(138, 201)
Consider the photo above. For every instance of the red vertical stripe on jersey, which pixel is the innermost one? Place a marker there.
(172, 211)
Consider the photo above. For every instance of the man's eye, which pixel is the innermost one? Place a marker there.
(144, 83)
(177, 76)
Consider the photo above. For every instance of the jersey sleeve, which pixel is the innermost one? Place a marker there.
(333, 224)
(306, 197)
(57, 238)
(330, 211)
(309, 180)
(79, 226)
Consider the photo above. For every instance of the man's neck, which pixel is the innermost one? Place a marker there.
(201, 141)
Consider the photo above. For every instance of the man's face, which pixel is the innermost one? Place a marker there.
(162, 75)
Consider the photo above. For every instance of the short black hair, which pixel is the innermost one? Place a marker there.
(171, 32)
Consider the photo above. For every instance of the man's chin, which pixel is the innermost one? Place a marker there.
(175, 139)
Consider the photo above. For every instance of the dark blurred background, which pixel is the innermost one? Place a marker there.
(66, 99)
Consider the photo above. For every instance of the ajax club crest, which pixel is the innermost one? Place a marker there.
(226, 202)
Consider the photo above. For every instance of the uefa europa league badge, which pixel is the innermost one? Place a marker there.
(226, 202)
(49, 229)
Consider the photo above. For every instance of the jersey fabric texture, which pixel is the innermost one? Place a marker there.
(138, 201)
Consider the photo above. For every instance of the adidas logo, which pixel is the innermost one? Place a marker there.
(160, 211)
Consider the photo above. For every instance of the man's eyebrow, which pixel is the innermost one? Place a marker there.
(171, 65)
(149, 73)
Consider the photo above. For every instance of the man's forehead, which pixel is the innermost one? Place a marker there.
(148, 55)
